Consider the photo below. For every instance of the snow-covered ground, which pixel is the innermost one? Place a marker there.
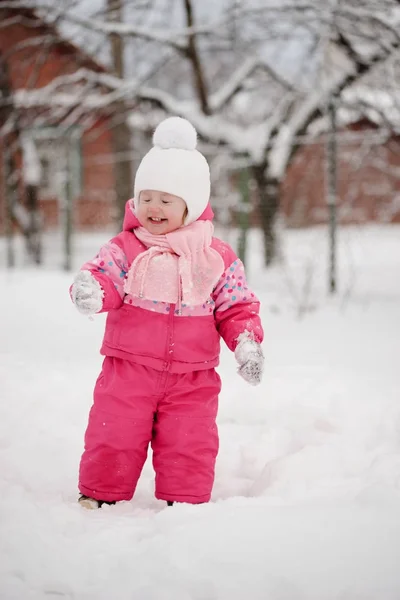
(306, 504)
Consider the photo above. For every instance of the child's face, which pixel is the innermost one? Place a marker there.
(159, 212)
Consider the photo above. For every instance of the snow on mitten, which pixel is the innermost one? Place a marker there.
(250, 357)
(86, 293)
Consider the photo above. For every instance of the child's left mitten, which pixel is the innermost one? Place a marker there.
(249, 355)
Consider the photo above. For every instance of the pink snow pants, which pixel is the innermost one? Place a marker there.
(136, 405)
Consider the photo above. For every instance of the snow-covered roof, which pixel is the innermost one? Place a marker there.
(381, 107)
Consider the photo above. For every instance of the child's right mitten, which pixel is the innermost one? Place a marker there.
(86, 293)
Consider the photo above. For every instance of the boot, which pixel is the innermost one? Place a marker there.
(92, 503)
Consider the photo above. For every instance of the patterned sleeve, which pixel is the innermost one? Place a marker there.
(109, 267)
(236, 306)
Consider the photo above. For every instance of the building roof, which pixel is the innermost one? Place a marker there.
(31, 18)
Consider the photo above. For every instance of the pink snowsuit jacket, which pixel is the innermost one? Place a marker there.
(155, 334)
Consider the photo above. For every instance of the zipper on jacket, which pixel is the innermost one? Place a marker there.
(170, 337)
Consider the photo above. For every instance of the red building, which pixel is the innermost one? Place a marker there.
(32, 56)
(368, 178)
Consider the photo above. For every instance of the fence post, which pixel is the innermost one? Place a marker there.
(66, 208)
(331, 167)
(244, 207)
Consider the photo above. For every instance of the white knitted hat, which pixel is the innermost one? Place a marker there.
(174, 166)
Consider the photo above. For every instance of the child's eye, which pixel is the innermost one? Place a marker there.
(145, 199)
(165, 201)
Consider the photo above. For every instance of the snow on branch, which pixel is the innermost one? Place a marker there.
(384, 17)
(76, 88)
(53, 14)
(225, 93)
(15, 20)
(379, 106)
(175, 38)
(128, 30)
(43, 98)
(219, 99)
(21, 4)
(215, 128)
(39, 41)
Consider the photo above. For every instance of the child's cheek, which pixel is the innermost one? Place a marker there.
(140, 215)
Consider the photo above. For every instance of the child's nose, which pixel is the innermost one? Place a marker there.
(154, 209)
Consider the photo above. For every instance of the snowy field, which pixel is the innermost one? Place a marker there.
(306, 503)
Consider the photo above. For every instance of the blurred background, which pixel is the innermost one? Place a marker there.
(296, 104)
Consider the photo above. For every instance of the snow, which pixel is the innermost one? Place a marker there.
(306, 502)
(227, 91)
(32, 169)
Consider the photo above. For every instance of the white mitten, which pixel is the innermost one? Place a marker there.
(87, 294)
(249, 355)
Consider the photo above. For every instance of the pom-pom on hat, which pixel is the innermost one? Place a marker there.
(174, 166)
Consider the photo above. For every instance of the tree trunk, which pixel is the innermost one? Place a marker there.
(268, 193)
(121, 142)
(193, 55)
(10, 187)
(33, 236)
(10, 193)
(121, 133)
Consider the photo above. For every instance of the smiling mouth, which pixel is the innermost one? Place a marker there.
(156, 219)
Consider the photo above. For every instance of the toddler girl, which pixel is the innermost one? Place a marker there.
(171, 291)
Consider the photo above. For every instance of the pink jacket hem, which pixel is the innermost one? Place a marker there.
(158, 363)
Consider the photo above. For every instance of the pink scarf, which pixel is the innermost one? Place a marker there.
(179, 267)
